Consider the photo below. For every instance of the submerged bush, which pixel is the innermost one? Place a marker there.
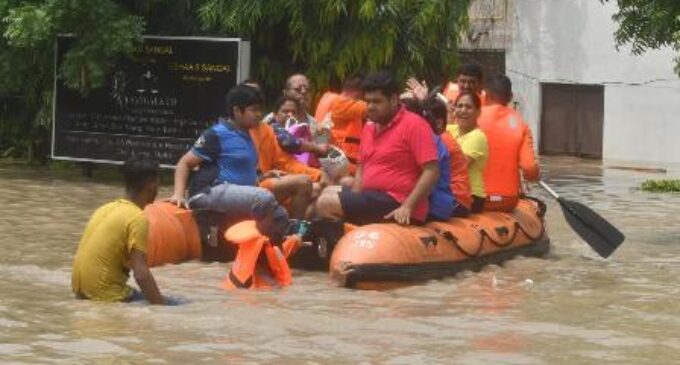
(661, 186)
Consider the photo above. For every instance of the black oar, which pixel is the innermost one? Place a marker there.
(595, 230)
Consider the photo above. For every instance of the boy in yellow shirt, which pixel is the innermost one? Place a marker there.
(114, 242)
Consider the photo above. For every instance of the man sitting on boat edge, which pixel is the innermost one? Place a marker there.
(397, 167)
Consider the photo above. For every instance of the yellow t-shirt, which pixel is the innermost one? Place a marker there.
(100, 267)
(474, 145)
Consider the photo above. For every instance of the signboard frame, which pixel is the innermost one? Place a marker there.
(242, 73)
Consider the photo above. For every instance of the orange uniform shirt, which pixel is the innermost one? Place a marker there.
(460, 181)
(323, 107)
(272, 157)
(511, 149)
(348, 117)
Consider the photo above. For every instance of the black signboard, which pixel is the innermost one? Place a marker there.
(153, 104)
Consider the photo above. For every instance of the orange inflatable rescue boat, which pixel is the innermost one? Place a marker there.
(376, 256)
(380, 256)
(173, 235)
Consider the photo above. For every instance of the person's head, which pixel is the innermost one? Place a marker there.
(297, 86)
(351, 87)
(435, 112)
(411, 104)
(467, 109)
(470, 78)
(498, 90)
(142, 178)
(254, 83)
(244, 106)
(286, 107)
(381, 94)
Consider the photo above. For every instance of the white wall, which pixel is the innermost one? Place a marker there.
(571, 41)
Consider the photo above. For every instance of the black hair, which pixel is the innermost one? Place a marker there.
(499, 87)
(137, 172)
(472, 69)
(243, 96)
(353, 82)
(434, 109)
(284, 99)
(412, 105)
(475, 99)
(382, 81)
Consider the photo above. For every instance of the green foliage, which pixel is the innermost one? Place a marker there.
(661, 186)
(645, 24)
(327, 39)
(103, 29)
(330, 39)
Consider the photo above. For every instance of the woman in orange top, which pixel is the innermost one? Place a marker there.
(436, 111)
(511, 148)
(282, 174)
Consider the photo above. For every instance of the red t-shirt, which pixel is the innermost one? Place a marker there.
(392, 160)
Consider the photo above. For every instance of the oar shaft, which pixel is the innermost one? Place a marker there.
(548, 189)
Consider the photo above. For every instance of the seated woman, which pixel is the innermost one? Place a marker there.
(457, 181)
(472, 140)
(283, 121)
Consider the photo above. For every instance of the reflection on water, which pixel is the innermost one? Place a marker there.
(571, 308)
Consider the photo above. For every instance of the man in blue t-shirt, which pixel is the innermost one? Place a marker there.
(226, 179)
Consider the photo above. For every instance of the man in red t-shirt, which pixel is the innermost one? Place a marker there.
(397, 163)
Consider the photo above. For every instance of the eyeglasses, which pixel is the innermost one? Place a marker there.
(300, 88)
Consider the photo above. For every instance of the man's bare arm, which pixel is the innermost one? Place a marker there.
(184, 166)
(144, 278)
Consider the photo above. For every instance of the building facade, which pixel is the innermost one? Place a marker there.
(580, 94)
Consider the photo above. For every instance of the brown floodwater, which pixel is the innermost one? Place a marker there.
(569, 308)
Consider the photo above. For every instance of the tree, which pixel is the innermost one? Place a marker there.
(326, 39)
(329, 39)
(646, 25)
(103, 30)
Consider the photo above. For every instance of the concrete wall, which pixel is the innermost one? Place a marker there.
(571, 41)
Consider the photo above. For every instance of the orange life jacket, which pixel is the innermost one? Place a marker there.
(451, 92)
(348, 117)
(511, 148)
(324, 105)
(258, 263)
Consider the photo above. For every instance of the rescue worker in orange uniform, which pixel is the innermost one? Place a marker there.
(323, 107)
(348, 114)
(511, 147)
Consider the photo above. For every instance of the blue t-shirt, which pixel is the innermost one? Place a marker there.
(442, 201)
(232, 150)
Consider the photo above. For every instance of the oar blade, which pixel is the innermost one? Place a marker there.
(603, 237)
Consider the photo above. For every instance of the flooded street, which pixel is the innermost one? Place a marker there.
(570, 308)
